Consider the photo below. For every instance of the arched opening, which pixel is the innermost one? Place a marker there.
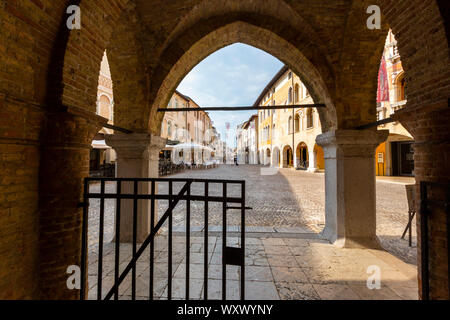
(302, 156)
(63, 79)
(297, 93)
(297, 123)
(288, 159)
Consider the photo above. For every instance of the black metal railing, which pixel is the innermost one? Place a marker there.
(230, 255)
(434, 199)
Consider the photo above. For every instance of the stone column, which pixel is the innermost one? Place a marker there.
(350, 201)
(312, 165)
(64, 163)
(137, 157)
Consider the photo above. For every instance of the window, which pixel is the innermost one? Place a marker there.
(297, 123)
(296, 93)
(290, 96)
(274, 133)
(289, 75)
(309, 118)
(290, 125)
(176, 103)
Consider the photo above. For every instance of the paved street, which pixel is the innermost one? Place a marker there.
(277, 268)
(287, 205)
(288, 199)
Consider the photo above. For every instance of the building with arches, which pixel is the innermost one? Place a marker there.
(395, 156)
(48, 94)
(247, 141)
(287, 129)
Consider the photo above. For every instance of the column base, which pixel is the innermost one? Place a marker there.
(351, 242)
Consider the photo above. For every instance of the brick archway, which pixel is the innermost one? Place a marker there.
(46, 67)
(257, 37)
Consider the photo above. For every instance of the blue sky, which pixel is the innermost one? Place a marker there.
(232, 76)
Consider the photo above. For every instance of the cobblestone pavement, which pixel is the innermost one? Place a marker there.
(277, 268)
(287, 199)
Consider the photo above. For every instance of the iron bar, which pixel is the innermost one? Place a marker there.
(100, 242)
(188, 245)
(206, 247)
(169, 254)
(224, 241)
(116, 128)
(243, 241)
(117, 244)
(376, 123)
(199, 198)
(133, 270)
(152, 244)
(245, 108)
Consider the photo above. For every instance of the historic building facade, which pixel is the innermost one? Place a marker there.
(47, 100)
(100, 152)
(282, 131)
(187, 127)
(247, 141)
(395, 157)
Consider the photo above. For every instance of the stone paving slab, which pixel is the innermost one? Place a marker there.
(276, 268)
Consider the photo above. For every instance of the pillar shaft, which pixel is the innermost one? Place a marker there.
(350, 201)
(137, 157)
(64, 165)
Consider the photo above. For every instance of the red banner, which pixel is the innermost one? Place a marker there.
(383, 83)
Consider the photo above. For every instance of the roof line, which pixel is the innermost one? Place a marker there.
(270, 84)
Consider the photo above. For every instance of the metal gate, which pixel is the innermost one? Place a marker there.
(230, 255)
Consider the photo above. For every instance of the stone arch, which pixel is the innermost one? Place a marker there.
(260, 38)
(65, 71)
(288, 156)
(302, 155)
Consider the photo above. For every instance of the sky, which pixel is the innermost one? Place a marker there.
(232, 76)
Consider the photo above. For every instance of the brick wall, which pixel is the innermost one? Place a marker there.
(42, 65)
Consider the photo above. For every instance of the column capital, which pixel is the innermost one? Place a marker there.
(351, 143)
(133, 146)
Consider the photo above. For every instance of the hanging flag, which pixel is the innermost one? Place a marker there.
(383, 83)
(227, 125)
